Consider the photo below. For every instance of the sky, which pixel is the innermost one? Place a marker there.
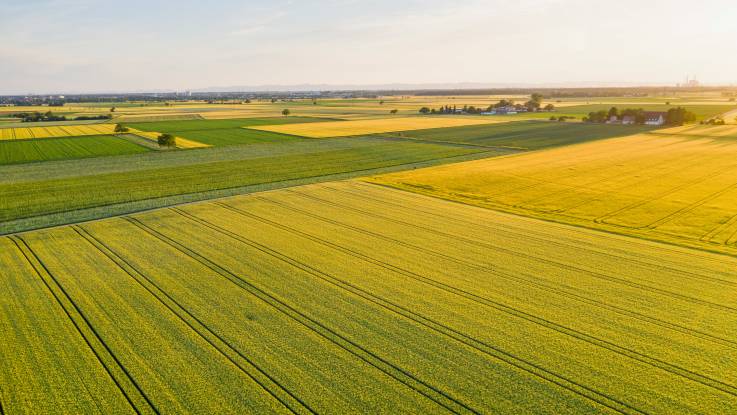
(56, 46)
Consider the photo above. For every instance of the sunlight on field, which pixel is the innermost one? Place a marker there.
(315, 294)
(361, 127)
(55, 131)
(677, 185)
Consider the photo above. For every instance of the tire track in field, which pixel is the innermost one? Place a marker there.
(262, 378)
(127, 385)
(538, 181)
(604, 218)
(402, 376)
(488, 349)
(617, 175)
(690, 207)
(542, 238)
(526, 281)
(594, 274)
(507, 309)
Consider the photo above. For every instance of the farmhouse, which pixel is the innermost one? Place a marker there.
(655, 118)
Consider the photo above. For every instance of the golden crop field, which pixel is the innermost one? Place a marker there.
(348, 297)
(371, 126)
(677, 185)
(20, 133)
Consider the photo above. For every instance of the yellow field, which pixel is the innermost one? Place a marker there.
(181, 142)
(362, 127)
(55, 131)
(677, 185)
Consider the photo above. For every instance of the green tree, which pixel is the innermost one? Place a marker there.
(120, 128)
(395, 111)
(613, 112)
(285, 112)
(549, 107)
(680, 116)
(424, 110)
(112, 109)
(167, 140)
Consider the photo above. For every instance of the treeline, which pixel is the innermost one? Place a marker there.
(50, 116)
(532, 105)
(674, 116)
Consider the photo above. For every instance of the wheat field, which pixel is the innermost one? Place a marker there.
(677, 185)
(372, 126)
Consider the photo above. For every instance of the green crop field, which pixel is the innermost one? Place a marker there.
(348, 297)
(528, 135)
(24, 151)
(63, 192)
(225, 132)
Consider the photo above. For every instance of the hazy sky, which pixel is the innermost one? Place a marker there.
(84, 45)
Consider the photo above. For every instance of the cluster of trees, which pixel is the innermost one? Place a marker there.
(120, 128)
(532, 105)
(674, 116)
(50, 116)
(37, 116)
(93, 117)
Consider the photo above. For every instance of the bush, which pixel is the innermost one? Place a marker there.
(167, 140)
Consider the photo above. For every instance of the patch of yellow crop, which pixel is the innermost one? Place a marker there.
(362, 127)
(21, 133)
(181, 142)
(677, 185)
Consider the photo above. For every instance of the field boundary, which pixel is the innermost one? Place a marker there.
(68, 217)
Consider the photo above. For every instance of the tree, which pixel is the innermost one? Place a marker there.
(549, 107)
(613, 112)
(286, 112)
(680, 116)
(112, 109)
(381, 102)
(167, 140)
(119, 128)
(395, 111)
(424, 110)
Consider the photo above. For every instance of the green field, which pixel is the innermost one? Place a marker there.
(25, 151)
(528, 135)
(354, 298)
(224, 132)
(63, 192)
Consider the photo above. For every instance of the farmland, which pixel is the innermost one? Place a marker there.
(66, 191)
(351, 297)
(527, 135)
(362, 127)
(224, 132)
(20, 133)
(675, 185)
(25, 151)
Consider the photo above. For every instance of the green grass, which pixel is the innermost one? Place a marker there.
(82, 190)
(524, 134)
(347, 297)
(25, 151)
(224, 132)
